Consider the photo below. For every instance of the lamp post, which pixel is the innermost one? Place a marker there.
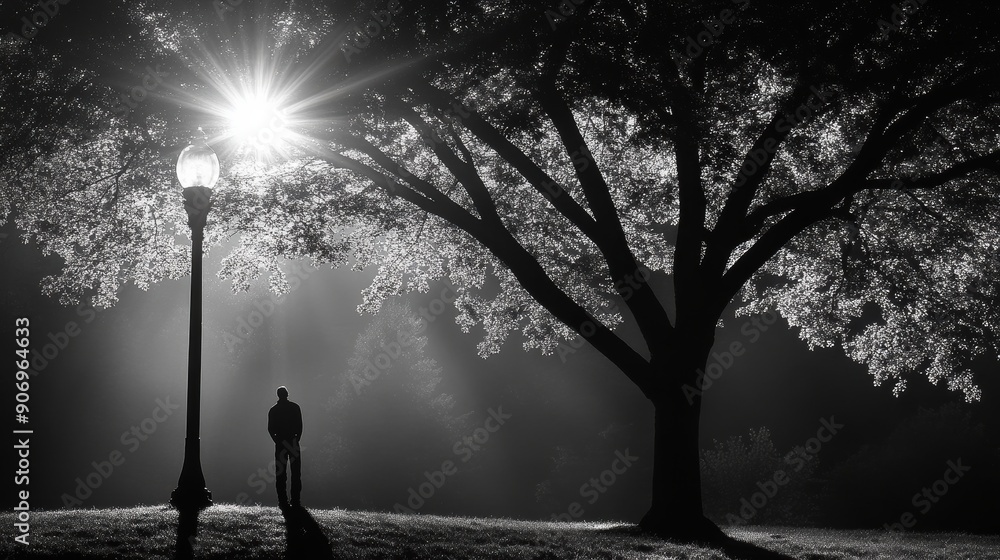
(197, 171)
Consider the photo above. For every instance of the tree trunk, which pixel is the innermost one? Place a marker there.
(676, 509)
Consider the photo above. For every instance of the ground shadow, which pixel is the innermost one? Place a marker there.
(733, 548)
(747, 551)
(187, 534)
(304, 536)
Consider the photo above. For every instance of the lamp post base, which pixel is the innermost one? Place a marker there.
(191, 493)
(190, 499)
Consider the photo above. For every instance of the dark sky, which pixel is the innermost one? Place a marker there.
(566, 420)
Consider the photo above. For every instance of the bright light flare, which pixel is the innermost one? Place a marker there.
(258, 122)
(262, 105)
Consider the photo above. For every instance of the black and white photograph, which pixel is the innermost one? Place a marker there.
(500, 279)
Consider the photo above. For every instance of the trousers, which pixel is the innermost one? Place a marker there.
(288, 457)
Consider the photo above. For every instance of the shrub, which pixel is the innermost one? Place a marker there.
(734, 470)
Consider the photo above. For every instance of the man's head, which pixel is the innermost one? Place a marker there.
(282, 392)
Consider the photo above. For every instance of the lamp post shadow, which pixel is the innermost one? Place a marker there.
(187, 533)
(304, 537)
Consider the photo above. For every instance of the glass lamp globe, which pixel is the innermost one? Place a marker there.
(198, 166)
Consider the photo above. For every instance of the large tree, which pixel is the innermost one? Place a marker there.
(572, 167)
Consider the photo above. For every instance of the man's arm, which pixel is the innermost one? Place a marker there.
(270, 425)
(298, 421)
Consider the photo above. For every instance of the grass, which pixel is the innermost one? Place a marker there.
(230, 531)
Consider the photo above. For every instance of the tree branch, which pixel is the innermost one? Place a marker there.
(560, 199)
(642, 302)
(464, 171)
(730, 226)
(810, 207)
(689, 288)
(522, 264)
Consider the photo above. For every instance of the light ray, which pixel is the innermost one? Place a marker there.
(260, 102)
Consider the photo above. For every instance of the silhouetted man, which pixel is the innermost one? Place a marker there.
(284, 424)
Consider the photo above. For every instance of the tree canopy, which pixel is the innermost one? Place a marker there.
(835, 162)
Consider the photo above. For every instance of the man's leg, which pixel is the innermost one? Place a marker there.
(295, 463)
(280, 457)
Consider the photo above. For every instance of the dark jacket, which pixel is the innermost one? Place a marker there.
(284, 421)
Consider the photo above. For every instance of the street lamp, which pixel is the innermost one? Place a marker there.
(197, 171)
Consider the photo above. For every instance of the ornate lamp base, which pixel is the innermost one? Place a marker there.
(191, 493)
(191, 499)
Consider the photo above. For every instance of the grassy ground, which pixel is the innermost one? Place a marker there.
(228, 531)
